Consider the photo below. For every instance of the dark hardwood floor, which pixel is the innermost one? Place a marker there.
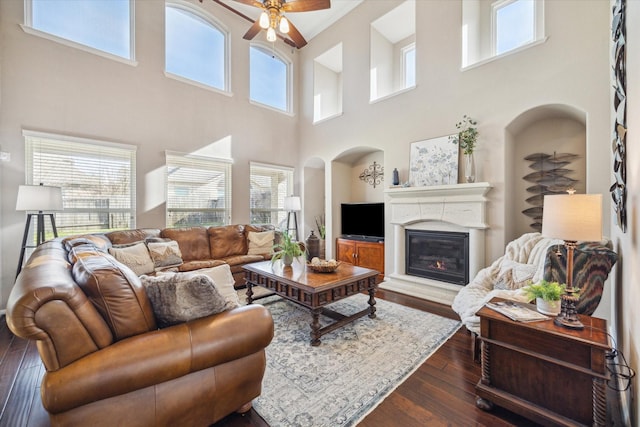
(439, 393)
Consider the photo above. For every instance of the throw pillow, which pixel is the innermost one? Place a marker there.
(177, 298)
(223, 281)
(514, 275)
(261, 243)
(165, 254)
(136, 257)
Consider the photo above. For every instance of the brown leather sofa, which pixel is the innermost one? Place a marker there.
(204, 247)
(106, 361)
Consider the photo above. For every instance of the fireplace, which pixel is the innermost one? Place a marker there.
(456, 208)
(438, 255)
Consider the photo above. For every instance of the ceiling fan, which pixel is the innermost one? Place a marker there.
(272, 17)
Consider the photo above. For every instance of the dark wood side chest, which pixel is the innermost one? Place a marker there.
(552, 375)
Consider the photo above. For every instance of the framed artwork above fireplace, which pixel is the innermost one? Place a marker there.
(433, 162)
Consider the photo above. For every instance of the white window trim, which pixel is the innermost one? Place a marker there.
(58, 137)
(210, 20)
(289, 66)
(538, 25)
(505, 54)
(27, 27)
(290, 185)
(228, 180)
(403, 51)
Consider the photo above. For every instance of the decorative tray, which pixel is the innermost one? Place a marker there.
(323, 266)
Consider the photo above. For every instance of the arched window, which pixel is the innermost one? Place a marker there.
(196, 48)
(270, 79)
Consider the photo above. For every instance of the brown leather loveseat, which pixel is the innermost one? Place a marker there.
(106, 361)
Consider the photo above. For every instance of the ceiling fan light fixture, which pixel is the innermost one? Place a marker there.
(264, 20)
(271, 35)
(284, 25)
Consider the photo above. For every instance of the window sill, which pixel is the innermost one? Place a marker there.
(269, 107)
(505, 54)
(327, 118)
(197, 84)
(80, 46)
(391, 95)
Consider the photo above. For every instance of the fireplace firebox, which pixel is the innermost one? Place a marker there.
(438, 255)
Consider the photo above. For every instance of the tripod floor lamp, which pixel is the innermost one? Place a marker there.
(292, 206)
(38, 201)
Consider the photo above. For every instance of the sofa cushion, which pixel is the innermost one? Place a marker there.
(242, 259)
(135, 256)
(165, 254)
(116, 292)
(260, 243)
(179, 297)
(592, 262)
(193, 242)
(198, 264)
(123, 237)
(223, 281)
(227, 240)
(514, 275)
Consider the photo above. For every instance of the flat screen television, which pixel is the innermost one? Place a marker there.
(364, 221)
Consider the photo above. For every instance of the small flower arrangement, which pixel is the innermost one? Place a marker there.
(467, 136)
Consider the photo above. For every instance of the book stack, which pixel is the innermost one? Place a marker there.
(517, 311)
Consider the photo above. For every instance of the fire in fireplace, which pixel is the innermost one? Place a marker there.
(438, 255)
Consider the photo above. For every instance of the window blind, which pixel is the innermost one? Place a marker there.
(198, 190)
(97, 180)
(270, 184)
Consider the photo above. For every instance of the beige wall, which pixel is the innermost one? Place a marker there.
(571, 68)
(51, 87)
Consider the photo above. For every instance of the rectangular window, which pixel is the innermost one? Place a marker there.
(514, 24)
(409, 65)
(269, 186)
(97, 180)
(103, 25)
(269, 79)
(198, 190)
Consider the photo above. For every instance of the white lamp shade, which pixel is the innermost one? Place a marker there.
(39, 198)
(575, 217)
(292, 203)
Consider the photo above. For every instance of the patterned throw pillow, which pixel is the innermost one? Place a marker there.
(592, 263)
(178, 298)
(135, 256)
(261, 243)
(165, 254)
(514, 275)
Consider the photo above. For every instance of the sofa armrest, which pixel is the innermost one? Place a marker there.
(158, 356)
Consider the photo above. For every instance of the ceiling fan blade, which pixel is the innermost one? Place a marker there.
(305, 5)
(251, 3)
(296, 36)
(251, 33)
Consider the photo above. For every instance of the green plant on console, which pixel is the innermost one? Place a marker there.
(467, 136)
(548, 291)
(286, 247)
(322, 231)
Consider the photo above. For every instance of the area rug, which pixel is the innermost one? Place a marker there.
(355, 367)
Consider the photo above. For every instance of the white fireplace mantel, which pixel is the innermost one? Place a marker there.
(459, 207)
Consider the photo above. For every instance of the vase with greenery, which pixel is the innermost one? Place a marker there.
(548, 296)
(467, 138)
(322, 233)
(287, 250)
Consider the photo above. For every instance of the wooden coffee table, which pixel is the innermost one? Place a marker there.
(314, 290)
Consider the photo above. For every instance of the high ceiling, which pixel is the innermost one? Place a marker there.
(310, 24)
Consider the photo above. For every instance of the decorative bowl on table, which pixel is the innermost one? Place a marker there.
(318, 265)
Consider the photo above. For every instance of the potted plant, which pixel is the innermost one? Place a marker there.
(322, 233)
(466, 138)
(547, 296)
(287, 250)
